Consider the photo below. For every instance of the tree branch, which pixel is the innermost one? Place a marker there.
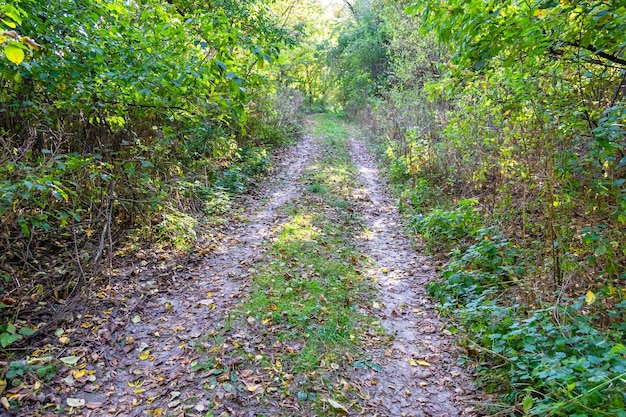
(601, 54)
(351, 9)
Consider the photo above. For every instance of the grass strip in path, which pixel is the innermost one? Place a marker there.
(290, 347)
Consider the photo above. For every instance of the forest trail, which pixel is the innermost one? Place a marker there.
(314, 306)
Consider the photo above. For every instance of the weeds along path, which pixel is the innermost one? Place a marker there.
(136, 355)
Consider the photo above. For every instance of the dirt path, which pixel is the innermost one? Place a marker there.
(419, 376)
(159, 340)
(136, 356)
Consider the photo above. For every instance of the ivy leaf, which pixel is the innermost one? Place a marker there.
(14, 54)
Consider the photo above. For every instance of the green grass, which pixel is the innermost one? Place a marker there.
(308, 288)
(306, 293)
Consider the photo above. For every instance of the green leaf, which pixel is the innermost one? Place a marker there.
(26, 331)
(6, 339)
(14, 54)
(11, 328)
(528, 402)
(337, 406)
(70, 360)
(75, 402)
(600, 250)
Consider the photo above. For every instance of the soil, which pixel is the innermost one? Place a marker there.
(419, 376)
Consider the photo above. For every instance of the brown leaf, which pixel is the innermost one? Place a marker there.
(92, 405)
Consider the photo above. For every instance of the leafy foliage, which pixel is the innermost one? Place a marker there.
(121, 116)
(518, 107)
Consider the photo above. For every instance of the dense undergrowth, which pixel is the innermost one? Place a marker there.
(501, 126)
(563, 357)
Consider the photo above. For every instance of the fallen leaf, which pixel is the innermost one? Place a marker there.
(75, 402)
(78, 373)
(337, 406)
(92, 405)
(136, 319)
(5, 403)
(590, 298)
(420, 362)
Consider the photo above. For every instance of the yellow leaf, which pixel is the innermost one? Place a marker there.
(420, 362)
(79, 373)
(590, 297)
(14, 54)
(144, 355)
(136, 384)
(251, 388)
(5, 403)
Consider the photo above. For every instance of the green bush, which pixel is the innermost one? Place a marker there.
(442, 228)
